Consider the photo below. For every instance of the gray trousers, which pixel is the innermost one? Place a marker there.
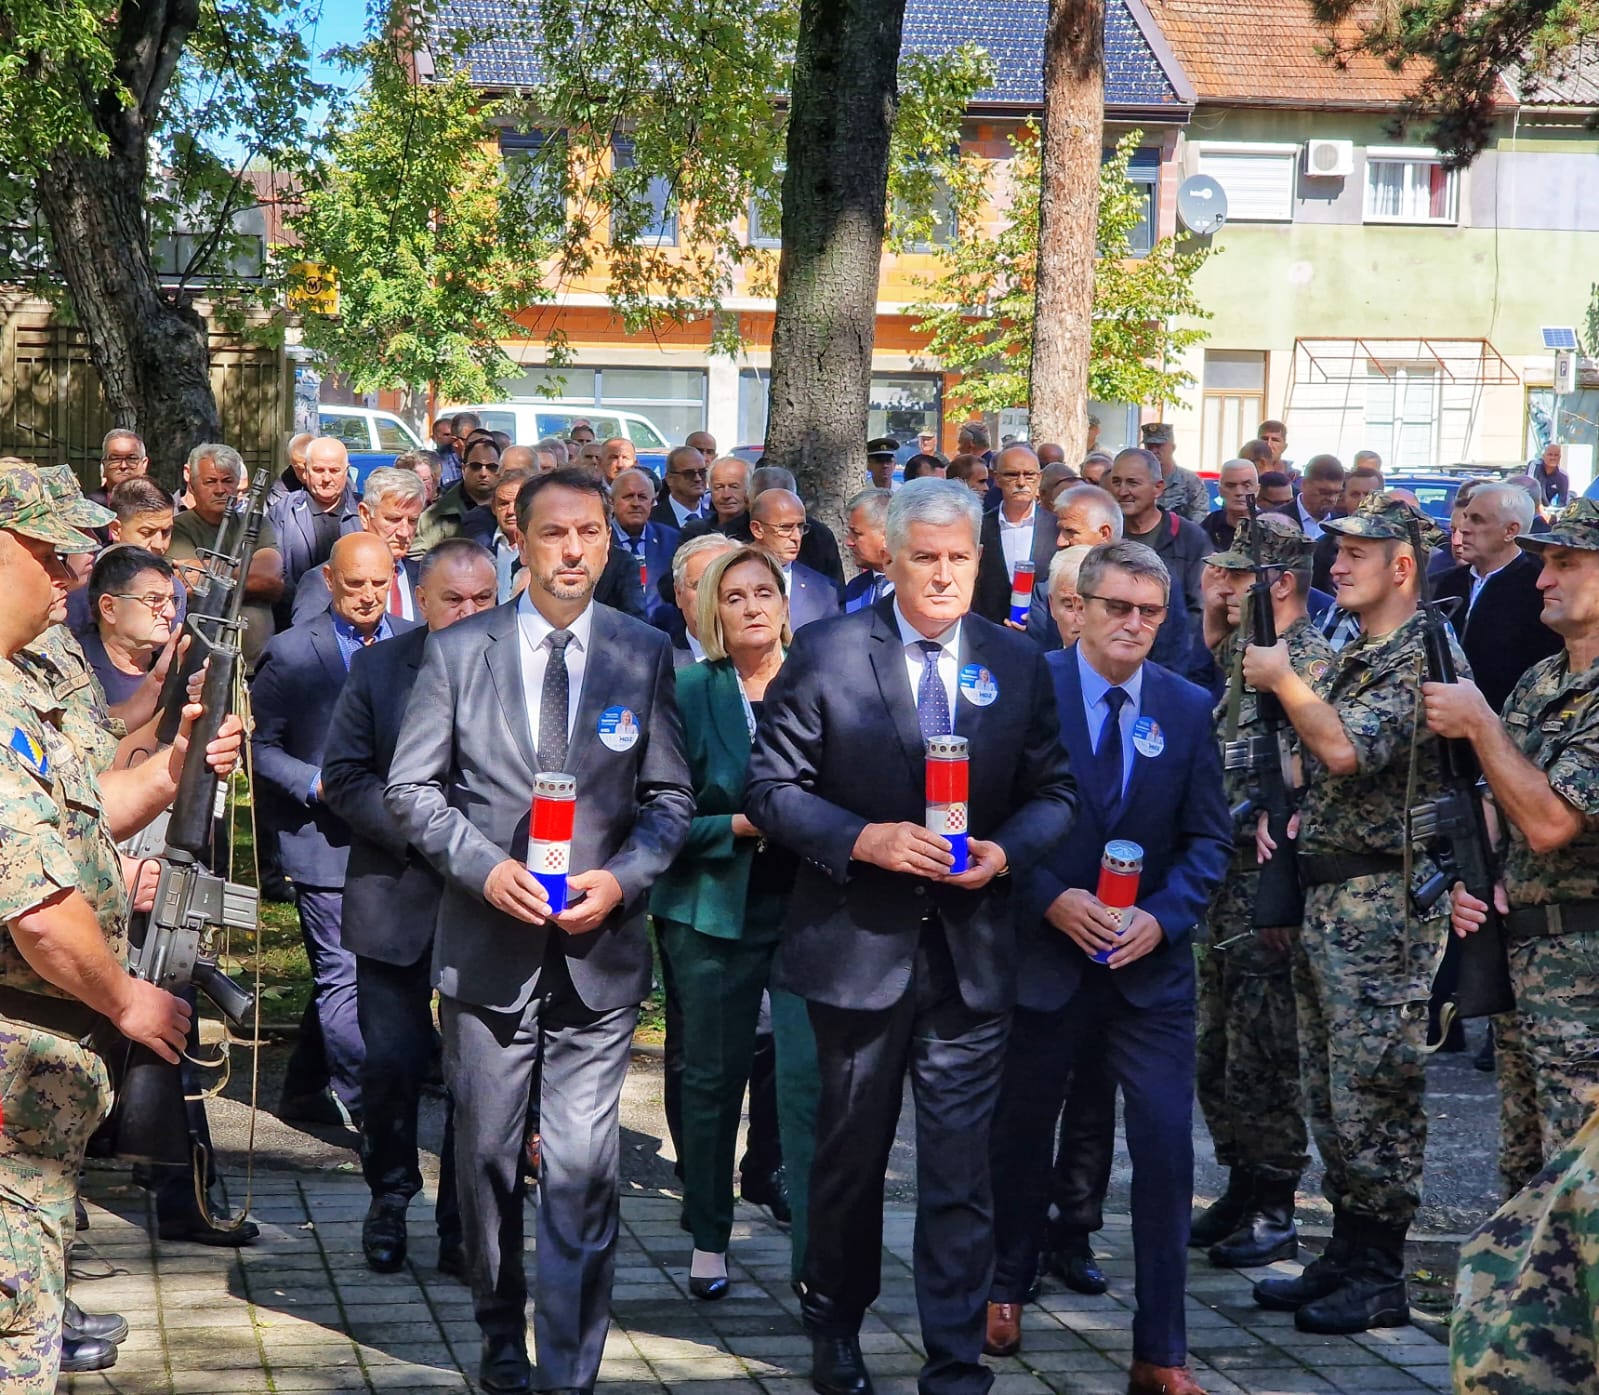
(490, 1060)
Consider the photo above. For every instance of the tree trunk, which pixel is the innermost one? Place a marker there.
(150, 354)
(835, 194)
(1068, 220)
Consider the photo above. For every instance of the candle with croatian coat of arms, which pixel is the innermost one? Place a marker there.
(549, 834)
(1021, 592)
(947, 793)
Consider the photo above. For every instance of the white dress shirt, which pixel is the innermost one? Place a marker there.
(1096, 709)
(1478, 582)
(684, 514)
(1016, 539)
(535, 632)
(916, 658)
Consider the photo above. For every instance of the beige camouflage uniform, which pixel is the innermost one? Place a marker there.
(1185, 494)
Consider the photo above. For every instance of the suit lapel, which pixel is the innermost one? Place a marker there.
(968, 719)
(326, 644)
(504, 658)
(727, 714)
(893, 682)
(1149, 704)
(598, 666)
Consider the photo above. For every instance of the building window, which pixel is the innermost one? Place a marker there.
(768, 232)
(1402, 414)
(1409, 188)
(903, 405)
(941, 215)
(1257, 179)
(1234, 403)
(660, 226)
(1143, 173)
(534, 163)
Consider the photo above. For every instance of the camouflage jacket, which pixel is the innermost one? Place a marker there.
(1185, 495)
(1375, 686)
(56, 661)
(1552, 715)
(1312, 659)
(53, 833)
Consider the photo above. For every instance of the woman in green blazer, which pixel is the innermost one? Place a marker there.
(719, 907)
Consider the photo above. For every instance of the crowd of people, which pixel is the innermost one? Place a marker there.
(532, 727)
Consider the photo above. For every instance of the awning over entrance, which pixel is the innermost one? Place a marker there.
(1468, 362)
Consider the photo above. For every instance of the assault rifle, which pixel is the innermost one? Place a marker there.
(172, 944)
(1269, 757)
(1474, 975)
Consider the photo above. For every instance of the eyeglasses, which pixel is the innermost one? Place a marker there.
(689, 474)
(787, 530)
(133, 459)
(1120, 610)
(157, 603)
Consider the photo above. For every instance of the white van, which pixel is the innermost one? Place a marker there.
(528, 420)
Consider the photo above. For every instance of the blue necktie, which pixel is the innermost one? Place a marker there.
(932, 699)
(1108, 750)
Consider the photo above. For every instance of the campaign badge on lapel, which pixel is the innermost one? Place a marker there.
(978, 685)
(618, 729)
(1148, 739)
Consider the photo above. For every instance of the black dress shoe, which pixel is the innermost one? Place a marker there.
(102, 1327)
(80, 1214)
(452, 1261)
(1078, 1270)
(193, 1228)
(770, 1193)
(837, 1367)
(504, 1369)
(383, 1238)
(80, 1354)
(710, 1289)
(321, 1108)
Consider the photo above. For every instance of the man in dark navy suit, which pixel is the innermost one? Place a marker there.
(1139, 739)
(391, 503)
(310, 520)
(647, 544)
(778, 525)
(866, 518)
(296, 684)
(391, 901)
(1021, 528)
(904, 964)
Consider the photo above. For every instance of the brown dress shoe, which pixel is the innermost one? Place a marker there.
(1004, 1330)
(1146, 1378)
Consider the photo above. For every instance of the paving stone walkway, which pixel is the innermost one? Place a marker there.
(300, 1312)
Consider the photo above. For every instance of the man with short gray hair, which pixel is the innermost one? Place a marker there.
(310, 520)
(906, 963)
(122, 457)
(391, 503)
(866, 521)
(818, 547)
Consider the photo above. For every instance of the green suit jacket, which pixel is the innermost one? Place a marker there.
(706, 886)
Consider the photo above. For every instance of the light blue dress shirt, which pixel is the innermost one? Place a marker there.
(1096, 709)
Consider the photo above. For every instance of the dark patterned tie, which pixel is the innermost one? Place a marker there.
(554, 714)
(932, 699)
(1108, 751)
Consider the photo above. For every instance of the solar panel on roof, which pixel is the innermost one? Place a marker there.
(1559, 337)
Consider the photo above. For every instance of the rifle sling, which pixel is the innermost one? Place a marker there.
(1320, 869)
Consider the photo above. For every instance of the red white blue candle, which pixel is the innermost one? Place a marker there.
(1021, 592)
(1120, 867)
(549, 835)
(947, 793)
(643, 574)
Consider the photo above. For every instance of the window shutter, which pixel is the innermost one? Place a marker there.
(1259, 188)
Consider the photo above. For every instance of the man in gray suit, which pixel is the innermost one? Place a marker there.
(391, 902)
(549, 682)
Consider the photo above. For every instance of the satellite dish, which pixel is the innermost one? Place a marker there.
(1202, 205)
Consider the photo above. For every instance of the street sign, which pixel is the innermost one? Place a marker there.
(313, 289)
(1565, 373)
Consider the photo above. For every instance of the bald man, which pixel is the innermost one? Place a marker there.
(309, 521)
(297, 683)
(778, 525)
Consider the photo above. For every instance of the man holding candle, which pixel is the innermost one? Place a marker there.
(1020, 529)
(1115, 990)
(904, 963)
(541, 685)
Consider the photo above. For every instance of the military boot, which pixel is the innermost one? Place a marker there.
(1225, 1214)
(1267, 1231)
(1318, 1278)
(1372, 1293)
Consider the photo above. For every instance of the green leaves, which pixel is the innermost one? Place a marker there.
(979, 313)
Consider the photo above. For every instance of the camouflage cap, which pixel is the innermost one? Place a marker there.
(1282, 544)
(1386, 516)
(1157, 433)
(26, 508)
(1577, 526)
(61, 484)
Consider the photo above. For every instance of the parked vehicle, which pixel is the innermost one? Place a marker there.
(1435, 492)
(373, 438)
(528, 420)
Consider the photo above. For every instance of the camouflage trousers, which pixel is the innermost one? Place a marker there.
(1248, 1049)
(1556, 978)
(1361, 984)
(1521, 1151)
(1524, 1322)
(54, 1092)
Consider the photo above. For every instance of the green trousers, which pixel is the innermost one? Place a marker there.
(798, 1086)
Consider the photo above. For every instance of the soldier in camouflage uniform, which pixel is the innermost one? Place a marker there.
(1542, 766)
(62, 927)
(1184, 493)
(1248, 1050)
(1524, 1311)
(1366, 961)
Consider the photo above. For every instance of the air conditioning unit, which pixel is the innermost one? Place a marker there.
(1329, 159)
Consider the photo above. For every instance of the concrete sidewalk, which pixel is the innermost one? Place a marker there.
(299, 1312)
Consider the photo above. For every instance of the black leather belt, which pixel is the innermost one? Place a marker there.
(62, 1017)
(1540, 922)
(1321, 869)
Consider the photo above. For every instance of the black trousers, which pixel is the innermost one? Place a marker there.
(1083, 1156)
(394, 1005)
(955, 1058)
